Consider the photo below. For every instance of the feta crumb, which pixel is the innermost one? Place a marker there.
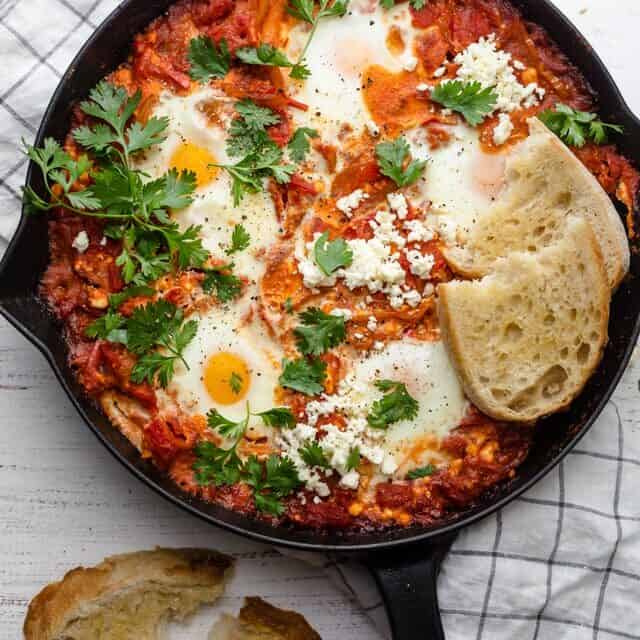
(389, 465)
(421, 265)
(418, 231)
(347, 314)
(103, 242)
(398, 204)
(410, 63)
(378, 345)
(350, 480)
(428, 291)
(423, 86)
(316, 500)
(412, 298)
(373, 128)
(503, 130)
(483, 62)
(347, 204)
(439, 72)
(372, 324)
(81, 242)
(358, 336)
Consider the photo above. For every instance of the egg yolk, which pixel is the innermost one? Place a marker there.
(190, 157)
(226, 378)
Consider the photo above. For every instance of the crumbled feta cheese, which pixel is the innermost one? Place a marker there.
(410, 63)
(389, 465)
(81, 242)
(378, 345)
(311, 274)
(373, 128)
(372, 324)
(428, 290)
(384, 228)
(483, 62)
(398, 204)
(350, 480)
(351, 202)
(347, 314)
(316, 500)
(503, 129)
(421, 265)
(423, 86)
(103, 242)
(418, 231)
(412, 298)
(439, 72)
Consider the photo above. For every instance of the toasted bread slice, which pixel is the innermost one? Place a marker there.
(258, 620)
(527, 337)
(127, 596)
(544, 185)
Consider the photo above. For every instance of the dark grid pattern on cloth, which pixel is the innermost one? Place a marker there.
(561, 562)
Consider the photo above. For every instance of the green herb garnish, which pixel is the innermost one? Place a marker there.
(208, 60)
(299, 145)
(469, 99)
(313, 455)
(240, 240)
(319, 332)
(303, 375)
(421, 472)
(331, 255)
(396, 405)
(576, 127)
(392, 160)
(265, 55)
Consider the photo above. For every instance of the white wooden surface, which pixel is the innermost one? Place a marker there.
(64, 501)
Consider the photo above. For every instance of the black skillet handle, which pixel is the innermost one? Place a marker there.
(407, 580)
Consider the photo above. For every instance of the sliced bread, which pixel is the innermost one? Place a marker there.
(258, 620)
(127, 596)
(544, 184)
(527, 337)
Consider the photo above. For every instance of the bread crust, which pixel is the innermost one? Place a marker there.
(83, 589)
(543, 159)
(456, 336)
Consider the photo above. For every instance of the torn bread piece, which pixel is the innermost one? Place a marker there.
(127, 596)
(258, 620)
(544, 184)
(526, 338)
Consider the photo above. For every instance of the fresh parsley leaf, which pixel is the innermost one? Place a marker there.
(353, 461)
(278, 417)
(240, 240)
(288, 305)
(421, 472)
(299, 145)
(281, 475)
(576, 127)
(278, 478)
(214, 465)
(389, 4)
(313, 455)
(396, 405)
(220, 279)
(392, 158)
(225, 427)
(236, 382)
(304, 375)
(330, 255)
(319, 332)
(261, 156)
(152, 366)
(136, 210)
(264, 54)
(117, 299)
(467, 98)
(111, 326)
(305, 10)
(208, 60)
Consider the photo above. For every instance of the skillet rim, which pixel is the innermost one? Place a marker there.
(252, 528)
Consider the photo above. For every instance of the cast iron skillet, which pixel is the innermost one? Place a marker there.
(405, 563)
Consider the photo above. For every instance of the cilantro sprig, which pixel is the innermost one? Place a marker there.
(319, 332)
(394, 162)
(416, 4)
(469, 99)
(221, 280)
(313, 455)
(305, 10)
(576, 127)
(264, 55)
(305, 375)
(240, 240)
(421, 472)
(271, 481)
(331, 255)
(135, 209)
(156, 332)
(299, 145)
(208, 60)
(261, 157)
(396, 405)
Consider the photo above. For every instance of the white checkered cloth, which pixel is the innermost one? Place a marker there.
(561, 563)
